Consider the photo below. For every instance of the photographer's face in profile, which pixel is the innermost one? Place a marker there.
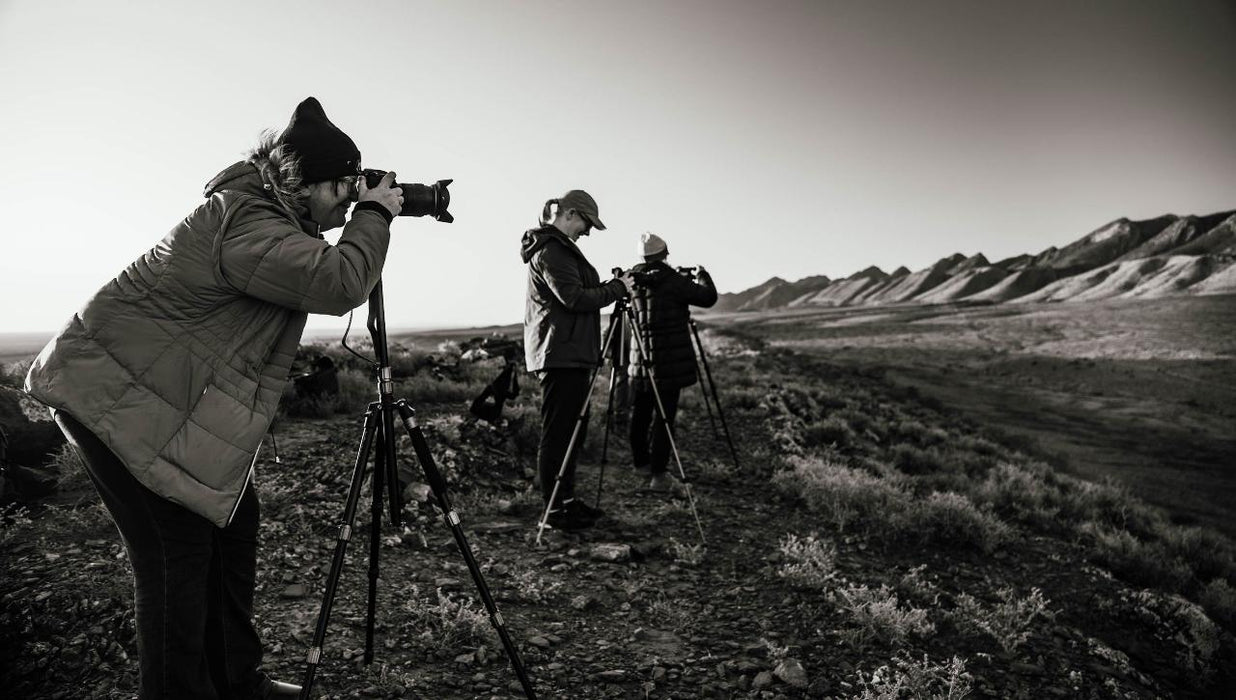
(329, 201)
(573, 223)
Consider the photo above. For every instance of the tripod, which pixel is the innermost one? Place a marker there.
(709, 390)
(703, 362)
(622, 307)
(380, 425)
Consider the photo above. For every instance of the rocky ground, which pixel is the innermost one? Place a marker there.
(640, 606)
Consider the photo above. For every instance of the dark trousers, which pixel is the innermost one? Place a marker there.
(563, 393)
(649, 439)
(193, 582)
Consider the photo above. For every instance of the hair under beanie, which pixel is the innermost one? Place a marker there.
(325, 152)
(652, 245)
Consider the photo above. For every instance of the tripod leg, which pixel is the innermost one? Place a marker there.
(609, 414)
(609, 419)
(438, 485)
(314, 656)
(699, 376)
(656, 393)
(375, 540)
(579, 422)
(715, 397)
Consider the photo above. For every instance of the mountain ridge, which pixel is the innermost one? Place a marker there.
(1160, 256)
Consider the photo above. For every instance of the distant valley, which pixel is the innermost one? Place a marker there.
(1163, 256)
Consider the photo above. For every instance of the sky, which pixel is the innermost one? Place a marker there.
(759, 139)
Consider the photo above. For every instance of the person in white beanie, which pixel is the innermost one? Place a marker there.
(661, 302)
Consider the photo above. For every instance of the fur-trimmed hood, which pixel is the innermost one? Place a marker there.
(268, 171)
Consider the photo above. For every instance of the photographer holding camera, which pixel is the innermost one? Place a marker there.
(562, 341)
(168, 379)
(661, 302)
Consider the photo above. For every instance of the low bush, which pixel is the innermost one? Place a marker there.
(952, 520)
(878, 614)
(1008, 620)
(906, 679)
(843, 496)
(1135, 561)
(1218, 599)
(808, 561)
(832, 430)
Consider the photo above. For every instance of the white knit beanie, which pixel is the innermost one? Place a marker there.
(651, 244)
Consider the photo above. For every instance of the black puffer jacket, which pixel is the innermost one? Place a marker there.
(562, 318)
(661, 300)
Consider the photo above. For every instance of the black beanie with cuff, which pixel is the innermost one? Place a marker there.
(325, 152)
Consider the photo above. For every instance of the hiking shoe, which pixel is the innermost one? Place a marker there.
(562, 520)
(582, 510)
(661, 482)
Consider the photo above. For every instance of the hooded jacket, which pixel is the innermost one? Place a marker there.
(178, 364)
(562, 318)
(661, 300)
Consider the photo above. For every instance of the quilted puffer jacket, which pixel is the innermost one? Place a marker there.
(661, 301)
(178, 363)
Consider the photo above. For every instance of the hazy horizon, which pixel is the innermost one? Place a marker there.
(785, 139)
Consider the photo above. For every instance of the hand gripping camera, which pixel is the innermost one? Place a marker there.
(418, 200)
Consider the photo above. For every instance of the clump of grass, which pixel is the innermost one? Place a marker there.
(830, 431)
(445, 622)
(1175, 622)
(1138, 562)
(878, 614)
(808, 561)
(920, 680)
(1008, 621)
(843, 496)
(687, 554)
(952, 520)
(1218, 598)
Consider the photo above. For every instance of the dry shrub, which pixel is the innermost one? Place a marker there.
(832, 430)
(878, 614)
(1009, 621)
(808, 561)
(1135, 561)
(952, 520)
(843, 496)
(1218, 598)
(920, 680)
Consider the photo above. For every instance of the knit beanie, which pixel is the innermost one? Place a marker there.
(325, 152)
(650, 244)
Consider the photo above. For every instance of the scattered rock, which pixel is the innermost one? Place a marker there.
(791, 673)
(615, 553)
(763, 679)
(295, 590)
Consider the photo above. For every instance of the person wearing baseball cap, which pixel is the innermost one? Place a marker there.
(662, 319)
(562, 340)
(167, 381)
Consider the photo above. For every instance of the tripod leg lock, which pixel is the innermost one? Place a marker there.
(345, 533)
(315, 656)
(452, 518)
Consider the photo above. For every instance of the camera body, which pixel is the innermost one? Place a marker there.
(689, 272)
(418, 200)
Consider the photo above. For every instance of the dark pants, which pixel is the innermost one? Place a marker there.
(648, 428)
(563, 393)
(193, 582)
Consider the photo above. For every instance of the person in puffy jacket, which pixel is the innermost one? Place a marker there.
(168, 378)
(661, 302)
(562, 340)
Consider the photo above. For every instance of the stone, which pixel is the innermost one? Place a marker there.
(791, 673)
(538, 641)
(763, 679)
(295, 590)
(614, 553)
(615, 676)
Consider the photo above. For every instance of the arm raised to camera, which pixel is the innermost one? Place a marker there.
(702, 292)
(560, 270)
(265, 255)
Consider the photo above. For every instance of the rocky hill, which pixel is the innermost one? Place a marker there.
(1156, 257)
